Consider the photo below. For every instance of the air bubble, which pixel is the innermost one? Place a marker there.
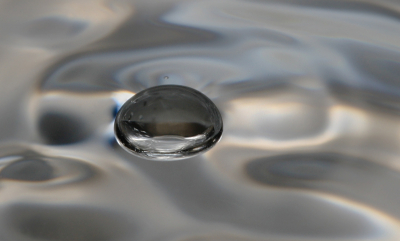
(168, 122)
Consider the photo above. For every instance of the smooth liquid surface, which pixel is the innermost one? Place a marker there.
(309, 93)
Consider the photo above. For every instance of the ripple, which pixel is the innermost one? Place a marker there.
(306, 169)
(60, 26)
(191, 186)
(24, 165)
(365, 97)
(375, 83)
(293, 170)
(190, 71)
(54, 28)
(220, 237)
(309, 92)
(286, 114)
(333, 173)
(235, 18)
(27, 170)
(378, 66)
(383, 8)
(62, 223)
(138, 70)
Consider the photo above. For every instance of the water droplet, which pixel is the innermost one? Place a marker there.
(169, 122)
(166, 77)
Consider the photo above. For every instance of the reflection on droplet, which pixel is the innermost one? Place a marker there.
(166, 77)
(168, 122)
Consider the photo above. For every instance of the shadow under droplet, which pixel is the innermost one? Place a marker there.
(38, 222)
(60, 129)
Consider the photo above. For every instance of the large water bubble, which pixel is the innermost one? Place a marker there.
(168, 122)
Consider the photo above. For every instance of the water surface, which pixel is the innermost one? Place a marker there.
(308, 90)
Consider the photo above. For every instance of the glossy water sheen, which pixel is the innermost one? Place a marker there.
(168, 122)
(309, 93)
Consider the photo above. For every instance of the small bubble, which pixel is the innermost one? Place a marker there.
(185, 123)
(166, 77)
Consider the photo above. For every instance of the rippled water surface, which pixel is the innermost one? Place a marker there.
(309, 92)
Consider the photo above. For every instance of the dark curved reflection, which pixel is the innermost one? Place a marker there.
(61, 128)
(54, 28)
(30, 166)
(372, 8)
(222, 237)
(369, 99)
(345, 177)
(292, 170)
(88, 72)
(376, 85)
(314, 170)
(64, 223)
(28, 170)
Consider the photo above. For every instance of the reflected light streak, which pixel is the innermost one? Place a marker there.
(120, 97)
(96, 12)
(343, 120)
